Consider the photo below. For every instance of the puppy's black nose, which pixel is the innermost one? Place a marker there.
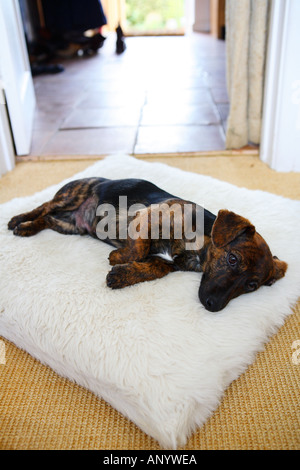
(210, 300)
(210, 304)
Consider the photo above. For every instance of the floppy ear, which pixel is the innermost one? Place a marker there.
(229, 226)
(279, 269)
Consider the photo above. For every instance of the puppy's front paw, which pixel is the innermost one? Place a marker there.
(121, 275)
(119, 256)
(113, 258)
(117, 278)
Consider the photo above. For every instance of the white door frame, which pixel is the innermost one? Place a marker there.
(16, 75)
(280, 141)
(7, 153)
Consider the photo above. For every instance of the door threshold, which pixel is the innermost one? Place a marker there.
(249, 151)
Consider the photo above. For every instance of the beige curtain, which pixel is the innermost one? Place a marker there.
(246, 42)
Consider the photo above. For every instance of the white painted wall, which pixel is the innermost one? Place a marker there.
(280, 147)
(16, 75)
(189, 13)
(202, 16)
(7, 154)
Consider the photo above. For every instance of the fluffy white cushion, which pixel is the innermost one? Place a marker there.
(151, 350)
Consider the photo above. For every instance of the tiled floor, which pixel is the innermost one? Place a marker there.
(163, 95)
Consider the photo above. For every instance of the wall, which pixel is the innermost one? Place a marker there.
(7, 154)
(280, 147)
(202, 16)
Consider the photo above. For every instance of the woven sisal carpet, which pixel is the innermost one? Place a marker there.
(260, 410)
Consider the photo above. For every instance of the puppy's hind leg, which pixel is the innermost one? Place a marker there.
(32, 227)
(28, 216)
(68, 198)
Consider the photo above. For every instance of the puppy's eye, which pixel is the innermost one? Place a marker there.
(252, 285)
(232, 259)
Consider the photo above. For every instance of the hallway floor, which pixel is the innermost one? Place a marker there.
(162, 95)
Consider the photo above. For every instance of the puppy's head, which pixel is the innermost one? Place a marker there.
(238, 261)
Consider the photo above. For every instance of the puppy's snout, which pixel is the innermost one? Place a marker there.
(210, 301)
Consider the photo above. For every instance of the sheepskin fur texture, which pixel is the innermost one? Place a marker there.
(150, 350)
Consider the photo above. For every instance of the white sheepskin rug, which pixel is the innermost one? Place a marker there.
(151, 350)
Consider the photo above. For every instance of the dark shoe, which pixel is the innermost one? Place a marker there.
(37, 69)
(121, 46)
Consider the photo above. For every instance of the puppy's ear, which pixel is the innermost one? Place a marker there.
(279, 270)
(229, 226)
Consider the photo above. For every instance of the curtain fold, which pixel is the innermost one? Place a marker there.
(246, 46)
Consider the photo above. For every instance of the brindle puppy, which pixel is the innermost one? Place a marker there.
(233, 257)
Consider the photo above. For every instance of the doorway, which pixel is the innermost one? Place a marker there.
(150, 17)
(154, 17)
(164, 94)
